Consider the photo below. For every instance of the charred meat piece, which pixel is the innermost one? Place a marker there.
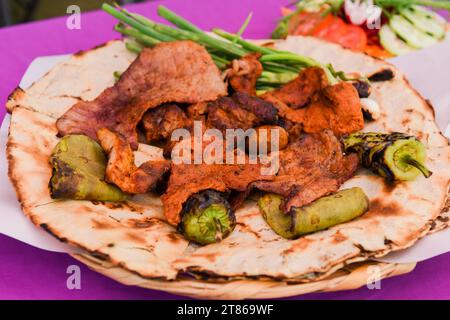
(189, 179)
(269, 136)
(310, 168)
(197, 111)
(181, 72)
(121, 169)
(244, 73)
(336, 107)
(298, 92)
(240, 111)
(294, 130)
(160, 122)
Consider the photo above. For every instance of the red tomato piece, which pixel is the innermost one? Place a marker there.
(304, 22)
(327, 26)
(353, 38)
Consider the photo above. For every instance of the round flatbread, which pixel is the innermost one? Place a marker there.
(135, 235)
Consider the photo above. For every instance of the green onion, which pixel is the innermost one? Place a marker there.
(245, 44)
(117, 75)
(141, 38)
(134, 23)
(177, 20)
(289, 57)
(133, 47)
(281, 78)
(203, 37)
(279, 67)
(176, 33)
(243, 27)
(294, 58)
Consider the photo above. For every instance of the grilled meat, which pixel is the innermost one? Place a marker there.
(189, 179)
(180, 71)
(160, 122)
(311, 167)
(299, 92)
(244, 73)
(316, 106)
(121, 169)
(240, 111)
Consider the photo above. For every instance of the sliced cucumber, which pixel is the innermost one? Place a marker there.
(392, 43)
(408, 32)
(425, 20)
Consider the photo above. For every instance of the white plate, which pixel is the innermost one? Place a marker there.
(13, 223)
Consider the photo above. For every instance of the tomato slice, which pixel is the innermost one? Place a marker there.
(329, 25)
(329, 28)
(353, 37)
(304, 22)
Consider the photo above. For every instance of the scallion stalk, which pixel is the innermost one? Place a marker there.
(279, 67)
(142, 38)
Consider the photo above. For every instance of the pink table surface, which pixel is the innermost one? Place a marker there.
(30, 273)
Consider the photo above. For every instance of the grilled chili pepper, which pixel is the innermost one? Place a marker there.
(395, 156)
(207, 218)
(329, 211)
(280, 222)
(321, 214)
(79, 166)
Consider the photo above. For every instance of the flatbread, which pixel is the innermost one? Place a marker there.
(443, 220)
(136, 237)
(83, 76)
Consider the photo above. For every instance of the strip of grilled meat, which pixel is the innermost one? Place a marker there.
(180, 71)
(309, 101)
(310, 168)
(244, 73)
(240, 111)
(188, 179)
(121, 169)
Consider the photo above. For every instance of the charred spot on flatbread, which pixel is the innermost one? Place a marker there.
(382, 75)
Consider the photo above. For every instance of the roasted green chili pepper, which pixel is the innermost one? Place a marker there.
(395, 156)
(321, 214)
(280, 222)
(328, 211)
(79, 166)
(207, 218)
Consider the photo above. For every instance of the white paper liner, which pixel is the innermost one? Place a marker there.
(420, 67)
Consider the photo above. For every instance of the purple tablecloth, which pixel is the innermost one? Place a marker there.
(30, 273)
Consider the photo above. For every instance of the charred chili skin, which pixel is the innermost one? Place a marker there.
(207, 218)
(394, 156)
(279, 221)
(321, 214)
(79, 165)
